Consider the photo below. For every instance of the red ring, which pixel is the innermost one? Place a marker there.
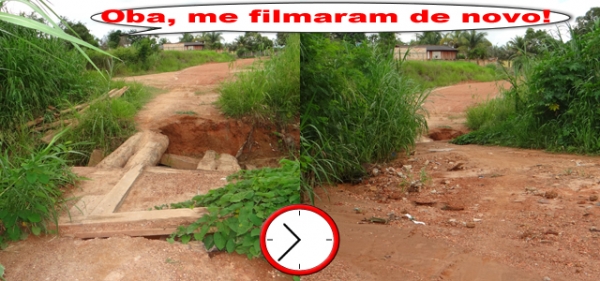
(325, 263)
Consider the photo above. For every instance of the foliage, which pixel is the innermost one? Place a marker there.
(281, 38)
(132, 62)
(238, 210)
(553, 103)
(186, 38)
(212, 40)
(269, 91)
(356, 108)
(30, 187)
(587, 22)
(350, 37)
(250, 43)
(38, 71)
(108, 123)
(433, 74)
(78, 29)
(429, 38)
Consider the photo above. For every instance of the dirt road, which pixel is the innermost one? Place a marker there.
(491, 213)
(186, 114)
(503, 214)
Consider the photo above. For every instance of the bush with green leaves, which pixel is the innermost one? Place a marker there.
(553, 103)
(238, 210)
(30, 189)
(270, 91)
(356, 108)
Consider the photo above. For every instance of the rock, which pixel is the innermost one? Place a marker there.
(401, 175)
(415, 186)
(407, 168)
(477, 220)
(470, 225)
(375, 172)
(433, 191)
(228, 163)
(550, 194)
(530, 189)
(95, 158)
(598, 204)
(179, 162)
(251, 167)
(426, 162)
(593, 198)
(594, 229)
(581, 202)
(208, 162)
(543, 201)
(547, 278)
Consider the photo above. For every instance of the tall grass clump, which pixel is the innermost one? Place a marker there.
(356, 108)
(108, 123)
(37, 71)
(555, 103)
(433, 74)
(269, 90)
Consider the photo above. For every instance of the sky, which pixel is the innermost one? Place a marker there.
(78, 10)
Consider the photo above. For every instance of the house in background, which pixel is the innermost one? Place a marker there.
(426, 52)
(189, 46)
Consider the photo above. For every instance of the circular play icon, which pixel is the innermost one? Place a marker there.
(299, 239)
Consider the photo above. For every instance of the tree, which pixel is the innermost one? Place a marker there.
(587, 22)
(476, 44)
(452, 39)
(117, 38)
(281, 38)
(186, 38)
(213, 40)
(429, 38)
(78, 29)
(163, 41)
(387, 42)
(352, 37)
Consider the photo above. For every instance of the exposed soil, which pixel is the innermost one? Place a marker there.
(193, 136)
(490, 213)
(187, 115)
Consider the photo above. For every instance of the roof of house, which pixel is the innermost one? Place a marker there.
(193, 44)
(432, 47)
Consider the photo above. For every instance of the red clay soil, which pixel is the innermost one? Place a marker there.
(193, 136)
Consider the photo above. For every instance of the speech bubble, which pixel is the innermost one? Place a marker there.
(325, 17)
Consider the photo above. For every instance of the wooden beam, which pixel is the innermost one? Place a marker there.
(113, 200)
(141, 223)
(139, 216)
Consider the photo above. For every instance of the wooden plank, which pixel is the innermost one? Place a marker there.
(139, 216)
(54, 124)
(140, 223)
(113, 200)
(126, 232)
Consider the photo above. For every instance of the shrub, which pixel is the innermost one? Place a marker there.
(554, 102)
(356, 107)
(30, 188)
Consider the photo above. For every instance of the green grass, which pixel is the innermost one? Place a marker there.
(356, 108)
(432, 74)
(108, 123)
(553, 104)
(162, 61)
(36, 72)
(270, 91)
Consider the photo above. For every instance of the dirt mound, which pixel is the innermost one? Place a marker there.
(193, 136)
(444, 134)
